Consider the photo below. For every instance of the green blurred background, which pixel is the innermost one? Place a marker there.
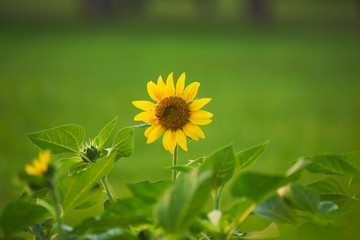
(285, 71)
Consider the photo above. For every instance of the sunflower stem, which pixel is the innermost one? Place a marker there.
(109, 191)
(175, 158)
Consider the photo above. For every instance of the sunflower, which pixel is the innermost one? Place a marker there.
(40, 166)
(175, 112)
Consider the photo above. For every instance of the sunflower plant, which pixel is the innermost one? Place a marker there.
(209, 197)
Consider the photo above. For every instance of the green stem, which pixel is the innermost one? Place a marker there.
(55, 197)
(109, 191)
(240, 221)
(217, 198)
(175, 159)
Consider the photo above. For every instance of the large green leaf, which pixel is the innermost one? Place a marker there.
(104, 134)
(20, 215)
(299, 196)
(183, 201)
(74, 189)
(62, 139)
(346, 165)
(123, 143)
(326, 186)
(221, 163)
(148, 192)
(128, 211)
(276, 210)
(257, 186)
(92, 198)
(247, 157)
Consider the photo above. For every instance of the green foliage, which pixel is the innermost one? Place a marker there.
(148, 192)
(104, 134)
(74, 190)
(177, 209)
(257, 186)
(222, 164)
(183, 201)
(275, 209)
(302, 198)
(62, 139)
(247, 157)
(19, 215)
(123, 143)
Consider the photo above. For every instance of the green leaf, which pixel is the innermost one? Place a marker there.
(276, 210)
(123, 143)
(20, 215)
(257, 186)
(74, 189)
(38, 232)
(345, 165)
(196, 163)
(247, 157)
(271, 231)
(221, 163)
(299, 196)
(92, 198)
(128, 211)
(326, 207)
(104, 134)
(326, 186)
(62, 139)
(148, 192)
(183, 201)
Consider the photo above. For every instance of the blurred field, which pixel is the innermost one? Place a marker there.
(295, 85)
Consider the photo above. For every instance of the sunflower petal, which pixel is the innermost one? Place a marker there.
(154, 91)
(204, 121)
(162, 87)
(148, 131)
(170, 85)
(167, 139)
(172, 143)
(200, 114)
(190, 92)
(155, 133)
(197, 104)
(180, 85)
(144, 105)
(181, 140)
(147, 116)
(193, 131)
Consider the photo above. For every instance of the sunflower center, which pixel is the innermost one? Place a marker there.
(172, 112)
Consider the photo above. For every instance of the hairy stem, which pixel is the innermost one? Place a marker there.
(175, 159)
(108, 189)
(55, 198)
(217, 198)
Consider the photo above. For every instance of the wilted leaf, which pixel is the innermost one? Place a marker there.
(326, 207)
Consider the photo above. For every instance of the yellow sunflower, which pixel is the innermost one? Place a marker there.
(175, 112)
(40, 166)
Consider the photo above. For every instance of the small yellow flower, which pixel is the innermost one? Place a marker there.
(176, 112)
(40, 166)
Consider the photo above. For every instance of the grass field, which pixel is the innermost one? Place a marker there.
(295, 86)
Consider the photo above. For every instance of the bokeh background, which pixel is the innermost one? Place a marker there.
(281, 70)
